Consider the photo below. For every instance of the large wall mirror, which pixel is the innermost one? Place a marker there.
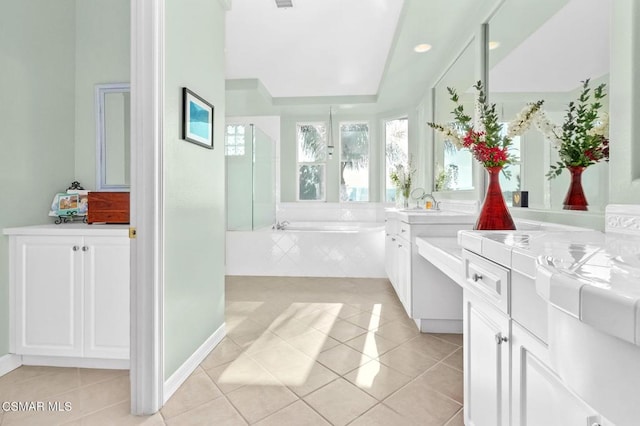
(113, 129)
(542, 50)
(454, 169)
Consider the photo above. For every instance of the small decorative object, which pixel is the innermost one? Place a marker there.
(401, 177)
(197, 119)
(71, 205)
(490, 146)
(520, 198)
(109, 207)
(582, 140)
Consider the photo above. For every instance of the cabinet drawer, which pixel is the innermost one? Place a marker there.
(405, 231)
(488, 279)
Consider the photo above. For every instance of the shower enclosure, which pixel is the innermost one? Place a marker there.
(250, 157)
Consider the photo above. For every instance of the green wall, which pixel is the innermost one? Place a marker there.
(37, 42)
(102, 56)
(194, 182)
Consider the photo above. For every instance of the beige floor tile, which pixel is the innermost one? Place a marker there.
(244, 326)
(371, 344)
(258, 402)
(312, 343)
(456, 339)
(195, 391)
(342, 359)
(367, 320)
(26, 372)
(457, 420)
(391, 312)
(397, 332)
(342, 330)
(224, 352)
(430, 346)
(422, 405)
(407, 361)
(289, 328)
(446, 380)
(104, 394)
(295, 414)
(303, 382)
(260, 342)
(340, 402)
(283, 357)
(241, 372)
(89, 376)
(119, 414)
(319, 320)
(455, 360)
(381, 415)
(377, 379)
(40, 388)
(217, 412)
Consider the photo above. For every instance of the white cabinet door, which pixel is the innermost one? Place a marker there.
(404, 274)
(538, 395)
(106, 301)
(486, 363)
(48, 295)
(391, 259)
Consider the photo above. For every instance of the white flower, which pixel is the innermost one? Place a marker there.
(602, 129)
(547, 128)
(523, 120)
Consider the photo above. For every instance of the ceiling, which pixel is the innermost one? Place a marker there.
(315, 48)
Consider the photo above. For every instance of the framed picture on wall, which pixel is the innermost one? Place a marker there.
(197, 119)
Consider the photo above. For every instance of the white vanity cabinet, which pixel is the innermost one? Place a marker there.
(69, 293)
(508, 374)
(487, 333)
(430, 297)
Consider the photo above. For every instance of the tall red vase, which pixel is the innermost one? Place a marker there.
(494, 214)
(575, 199)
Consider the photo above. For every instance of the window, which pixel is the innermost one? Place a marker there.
(234, 140)
(312, 157)
(354, 161)
(396, 151)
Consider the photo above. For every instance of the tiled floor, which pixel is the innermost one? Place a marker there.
(310, 351)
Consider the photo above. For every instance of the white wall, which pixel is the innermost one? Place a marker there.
(37, 42)
(194, 182)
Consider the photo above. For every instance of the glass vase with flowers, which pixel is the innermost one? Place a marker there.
(401, 176)
(582, 140)
(489, 145)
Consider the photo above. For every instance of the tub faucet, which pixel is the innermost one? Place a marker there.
(280, 225)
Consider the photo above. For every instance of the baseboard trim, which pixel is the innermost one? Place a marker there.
(9, 363)
(440, 326)
(173, 383)
(60, 361)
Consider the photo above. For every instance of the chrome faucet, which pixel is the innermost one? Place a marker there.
(280, 225)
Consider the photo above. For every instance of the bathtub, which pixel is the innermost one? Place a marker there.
(309, 249)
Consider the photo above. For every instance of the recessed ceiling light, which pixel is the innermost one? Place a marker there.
(421, 48)
(494, 45)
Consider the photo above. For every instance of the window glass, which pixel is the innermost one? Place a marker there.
(396, 151)
(354, 162)
(311, 158)
(234, 140)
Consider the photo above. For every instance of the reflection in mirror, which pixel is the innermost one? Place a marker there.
(113, 127)
(454, 169)
(543, 50)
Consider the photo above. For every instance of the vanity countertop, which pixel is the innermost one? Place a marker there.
(591, 275)
(70, 229)
(432, 216)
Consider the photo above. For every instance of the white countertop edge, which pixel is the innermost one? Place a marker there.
(78, 229)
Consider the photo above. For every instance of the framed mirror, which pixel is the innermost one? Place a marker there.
(454, 170)
(113, 130)
(543, 50)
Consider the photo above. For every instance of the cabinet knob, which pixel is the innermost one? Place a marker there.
(85, 248)
(393, 239)
(476, 277)
(76, 248)
(500, 339)
(399, 245)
